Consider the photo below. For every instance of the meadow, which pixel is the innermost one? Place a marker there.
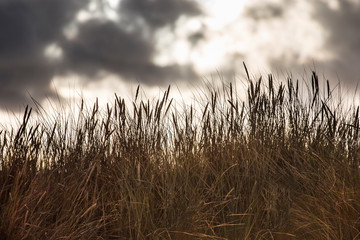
(282, 164)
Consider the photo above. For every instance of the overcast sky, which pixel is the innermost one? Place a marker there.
(47, 46)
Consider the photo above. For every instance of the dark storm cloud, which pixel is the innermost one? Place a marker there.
(266, 11)
(106, 46)
(125, 48)
(158, 13)
(196, 37)
(26, 27)
(343, 41)
(19, 78)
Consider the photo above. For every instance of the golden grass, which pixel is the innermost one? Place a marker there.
(276, 166)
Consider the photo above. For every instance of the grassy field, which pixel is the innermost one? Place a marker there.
(283, 164)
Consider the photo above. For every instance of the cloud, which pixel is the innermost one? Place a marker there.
(104, 45)
(125, 48)
(336, 50)
(342, 26)
(21, 77)
(158, 13)
(26, 27)
(196, 37)
(265, 11)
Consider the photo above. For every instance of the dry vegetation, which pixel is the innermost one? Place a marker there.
(276, 166)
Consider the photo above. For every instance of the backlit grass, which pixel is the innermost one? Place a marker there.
(283, 164)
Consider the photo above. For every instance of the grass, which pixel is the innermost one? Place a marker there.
(283, 164)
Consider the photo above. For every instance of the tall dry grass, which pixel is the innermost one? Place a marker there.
(279, 165)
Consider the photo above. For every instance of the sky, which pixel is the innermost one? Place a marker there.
(69, 49)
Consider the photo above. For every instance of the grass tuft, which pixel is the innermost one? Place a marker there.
(280, 165)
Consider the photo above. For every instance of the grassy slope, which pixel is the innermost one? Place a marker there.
(277, 166)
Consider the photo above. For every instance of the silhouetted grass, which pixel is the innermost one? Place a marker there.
(279, 165)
